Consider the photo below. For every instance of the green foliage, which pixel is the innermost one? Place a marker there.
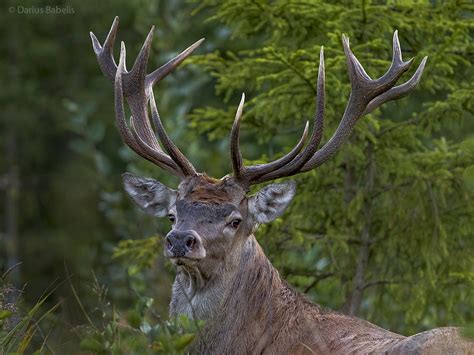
(140, 330)
(399, 192)
(18, 328)
(70, 207)
(138, 253)
(58, 110)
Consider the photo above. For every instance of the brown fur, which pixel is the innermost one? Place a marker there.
(262, 314)
(204, 188)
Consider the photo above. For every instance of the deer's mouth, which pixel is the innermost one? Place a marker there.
(190, 258)
(184, 260)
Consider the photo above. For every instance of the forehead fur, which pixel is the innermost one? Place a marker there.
(205, 189)
(195, 210)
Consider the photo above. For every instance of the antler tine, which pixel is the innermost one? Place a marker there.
(396, 69)
(136, 76)
(156, 157)
(243, 173)
(356, 70)
(158, 74)
(109, 67)
(105, 54)
(168, 144)
(399, 91)
(145, 94)
(134, 85)
(295, 165)
(236, 156)
(130, 138)
(253, 172)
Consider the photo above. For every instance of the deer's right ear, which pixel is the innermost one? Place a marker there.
(149, 194)
(271, 201)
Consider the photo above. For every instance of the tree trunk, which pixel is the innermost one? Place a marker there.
(354, 296)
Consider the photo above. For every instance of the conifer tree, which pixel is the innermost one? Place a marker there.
(385, 230)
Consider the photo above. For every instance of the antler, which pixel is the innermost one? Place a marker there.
(136, 86)
(366, 95)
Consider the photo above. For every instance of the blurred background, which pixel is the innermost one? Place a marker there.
(383, 231)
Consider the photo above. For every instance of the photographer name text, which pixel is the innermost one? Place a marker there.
(43, 10)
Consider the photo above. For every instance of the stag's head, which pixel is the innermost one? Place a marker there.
(213, 218)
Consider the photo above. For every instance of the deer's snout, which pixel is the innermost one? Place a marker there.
(179, 244)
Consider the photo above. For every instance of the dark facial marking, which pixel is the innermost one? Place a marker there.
(200, 211)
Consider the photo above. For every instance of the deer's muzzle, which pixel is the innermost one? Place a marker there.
(180, 244)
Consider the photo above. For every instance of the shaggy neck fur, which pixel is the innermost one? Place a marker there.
(245, 307)
(249, 309)
(203, 296)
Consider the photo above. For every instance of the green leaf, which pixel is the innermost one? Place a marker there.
(5, 314)
(91, 344)
(134, 319)
(183, 341)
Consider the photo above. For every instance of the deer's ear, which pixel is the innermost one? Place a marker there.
(149, 194)
(271, 201)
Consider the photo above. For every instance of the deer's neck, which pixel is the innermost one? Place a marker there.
(247, 282)
(245, 308)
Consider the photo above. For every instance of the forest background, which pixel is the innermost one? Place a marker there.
(384, 231)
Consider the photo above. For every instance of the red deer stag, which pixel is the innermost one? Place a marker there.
(223, 276)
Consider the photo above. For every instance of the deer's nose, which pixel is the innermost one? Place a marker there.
(179, 243)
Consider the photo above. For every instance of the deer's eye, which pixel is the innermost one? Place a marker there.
(171, 217)
(235, 223)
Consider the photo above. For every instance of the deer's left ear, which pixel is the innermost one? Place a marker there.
(271, 201)
(150, 195)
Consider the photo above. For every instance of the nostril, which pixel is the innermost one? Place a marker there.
(168, 243)
(190, 242)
